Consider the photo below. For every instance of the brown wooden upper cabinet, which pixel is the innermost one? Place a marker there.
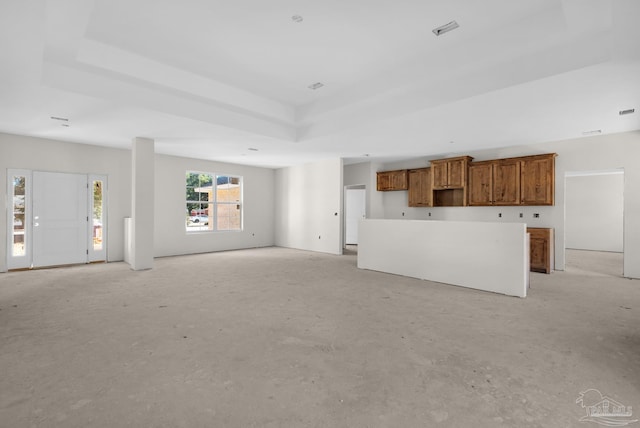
(494, 182)
(450, 173)
(392, 180)
(528, 180)
(449, 181)
(420, 187)
(537, 179)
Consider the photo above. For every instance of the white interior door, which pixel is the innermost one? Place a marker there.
(60, 230)
(355, 210)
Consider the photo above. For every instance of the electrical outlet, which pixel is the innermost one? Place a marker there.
(499, 215)
(429, 214)
(536, 215)
(318, 236)
(402, 214)
(521, 215)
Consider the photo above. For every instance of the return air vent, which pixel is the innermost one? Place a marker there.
(627, 111)
(445, 28)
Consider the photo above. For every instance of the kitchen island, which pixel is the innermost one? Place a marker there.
(482, 255)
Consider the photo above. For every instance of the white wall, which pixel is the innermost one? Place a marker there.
(56, 156)
(594, 208)
(258, 197)
(365, 174)
(358, 173)
(601, 152)
(169, 233)
(309, 206)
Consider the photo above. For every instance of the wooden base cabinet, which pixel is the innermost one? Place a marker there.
(541, 249)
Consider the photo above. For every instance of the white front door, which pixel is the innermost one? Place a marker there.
(60, 220)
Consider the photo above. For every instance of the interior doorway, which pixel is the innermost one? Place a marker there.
(355, 203)
(594, 218)
(55, 219)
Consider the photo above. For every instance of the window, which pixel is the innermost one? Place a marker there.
(214, 202)
(19, 219)
(97, 215)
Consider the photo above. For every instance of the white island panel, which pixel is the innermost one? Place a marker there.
(485, 256)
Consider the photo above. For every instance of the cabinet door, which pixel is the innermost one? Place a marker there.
(506, 182)
(480, 184)
(384, 181)
(399, 180)
(539, 253)
(439, 175)
(537, 179)
(420, 187)
(456, 173)
(541, 249)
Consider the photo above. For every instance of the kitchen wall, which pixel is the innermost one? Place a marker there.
(604, 152)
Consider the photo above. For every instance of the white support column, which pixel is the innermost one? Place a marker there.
(142, 203)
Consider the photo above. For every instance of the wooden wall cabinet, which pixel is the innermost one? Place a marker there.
(450, 173)
(495, 182)
(449, 181)
(541, 249)
(538, 180)
(420, 187)
(392, 180)
(528, 180)
(481, 183)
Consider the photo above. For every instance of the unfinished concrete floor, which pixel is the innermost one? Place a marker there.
(282, 338)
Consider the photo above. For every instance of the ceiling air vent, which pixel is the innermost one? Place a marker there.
(627, 111)
(445, 28)
(316, 85)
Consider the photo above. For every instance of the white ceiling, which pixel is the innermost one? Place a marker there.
(210, 79)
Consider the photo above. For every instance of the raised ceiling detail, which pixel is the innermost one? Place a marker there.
(207, 79)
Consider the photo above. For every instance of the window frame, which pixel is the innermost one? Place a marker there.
(214, 203)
